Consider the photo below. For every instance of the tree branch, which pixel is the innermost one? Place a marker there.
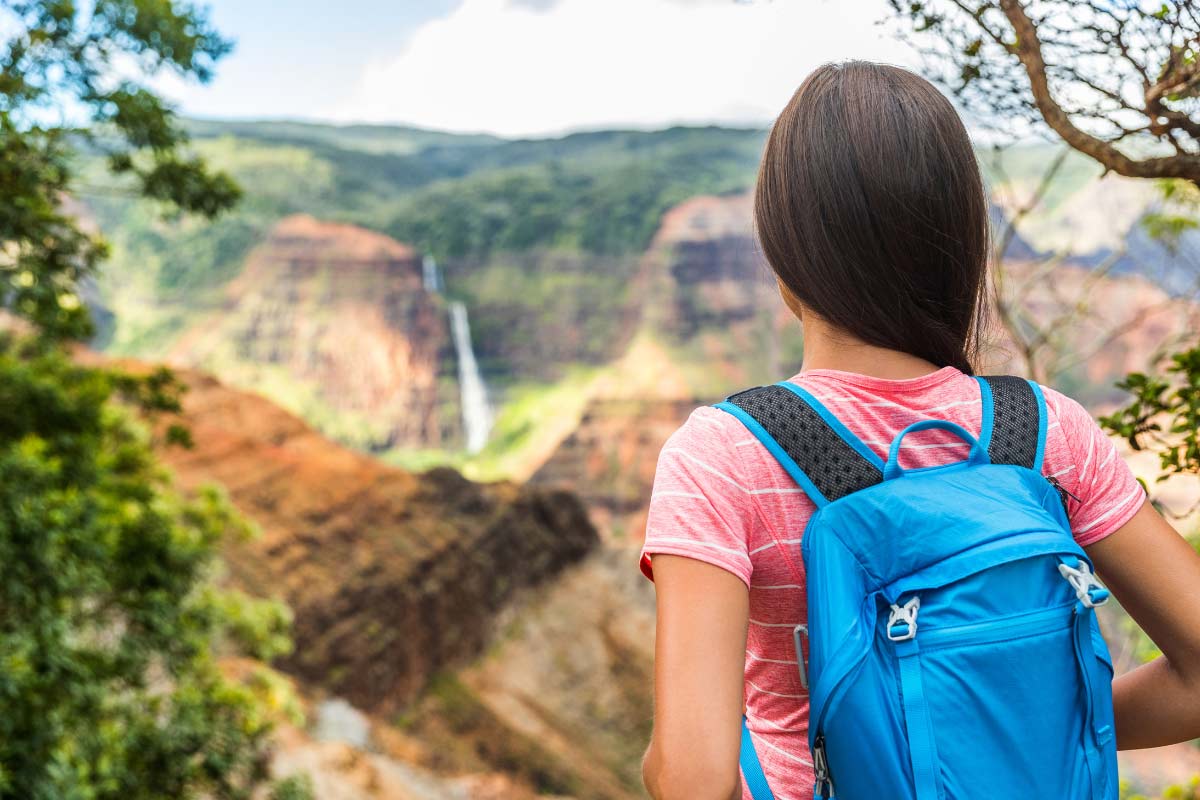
(1029, 51)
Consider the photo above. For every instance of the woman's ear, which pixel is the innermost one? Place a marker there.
(790, 300)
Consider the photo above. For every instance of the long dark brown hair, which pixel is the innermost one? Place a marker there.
(871, 210)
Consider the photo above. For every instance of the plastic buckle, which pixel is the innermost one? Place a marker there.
(902, 624)
(1088, 588)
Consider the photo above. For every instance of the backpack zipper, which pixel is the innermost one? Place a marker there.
(824, 780)
(1063, 492)
(1028, 624)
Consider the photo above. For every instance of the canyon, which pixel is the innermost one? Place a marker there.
(490, 643)
(334, 321)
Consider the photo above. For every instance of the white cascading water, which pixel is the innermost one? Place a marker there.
(430, 276)
(476, 412)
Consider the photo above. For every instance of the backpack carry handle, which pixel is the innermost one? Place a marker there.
(978, 454)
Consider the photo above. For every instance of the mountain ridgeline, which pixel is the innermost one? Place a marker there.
(558, 251)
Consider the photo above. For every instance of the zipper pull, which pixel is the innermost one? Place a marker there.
(824, 784)
(1062, 490)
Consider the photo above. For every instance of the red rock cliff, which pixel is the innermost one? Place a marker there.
(392, 576)
(333, 320)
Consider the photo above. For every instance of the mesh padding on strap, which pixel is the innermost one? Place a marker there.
(834, 467)
(1014, 421)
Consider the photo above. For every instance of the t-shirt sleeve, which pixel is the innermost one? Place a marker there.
(700, 506)
(1091, 468)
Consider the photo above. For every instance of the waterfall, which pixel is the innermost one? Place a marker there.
(431, 278)
(476, 413)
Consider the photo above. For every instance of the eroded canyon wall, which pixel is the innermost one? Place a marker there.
(392, 576)
(334, 322)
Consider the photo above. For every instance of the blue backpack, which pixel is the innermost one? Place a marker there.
(953, 651)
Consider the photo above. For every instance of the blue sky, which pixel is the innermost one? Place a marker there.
(529, 67)
(289, 62)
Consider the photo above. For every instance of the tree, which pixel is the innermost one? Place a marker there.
(71, 79)
(1056, 317)
(1117, 81)
(112, 626)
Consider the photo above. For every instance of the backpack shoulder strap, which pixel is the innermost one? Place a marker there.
(1014, 420)
(752, 771)
(829, 462)
(822, 456)
(816, 449)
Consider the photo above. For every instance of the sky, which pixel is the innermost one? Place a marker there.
(528, 67)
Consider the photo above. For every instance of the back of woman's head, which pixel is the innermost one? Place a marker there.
(871, 211)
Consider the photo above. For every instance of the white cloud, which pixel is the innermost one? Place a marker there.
(528, 68)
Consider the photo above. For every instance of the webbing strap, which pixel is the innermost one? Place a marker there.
(921, 747)
(752, 771)
(1094, 739)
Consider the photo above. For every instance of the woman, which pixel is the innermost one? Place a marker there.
(871, 212)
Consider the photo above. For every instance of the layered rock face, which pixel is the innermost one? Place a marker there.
(392, 576)
(333, 321)
(717, 275)
(715, 295)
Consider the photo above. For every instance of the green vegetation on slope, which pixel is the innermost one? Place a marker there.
(462, 195)
(385, 139)
(478, 204)
(596, 193)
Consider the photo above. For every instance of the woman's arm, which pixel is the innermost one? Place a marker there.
(700, 652)
(1155, 574)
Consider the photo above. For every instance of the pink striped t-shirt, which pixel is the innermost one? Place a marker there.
(719, 495)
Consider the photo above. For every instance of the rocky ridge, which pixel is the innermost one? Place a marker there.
(392, 576)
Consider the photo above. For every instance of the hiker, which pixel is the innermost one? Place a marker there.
(940, 605)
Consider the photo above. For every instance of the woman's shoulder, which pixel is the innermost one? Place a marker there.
(1086, 460)
(1071, 430)
(707, 430)
(700, 502)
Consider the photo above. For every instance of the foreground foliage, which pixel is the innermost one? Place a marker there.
(1164, 414)
(112, 629)
(58, 60)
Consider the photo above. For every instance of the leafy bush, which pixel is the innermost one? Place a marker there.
(1164, 414)
(112, 627)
